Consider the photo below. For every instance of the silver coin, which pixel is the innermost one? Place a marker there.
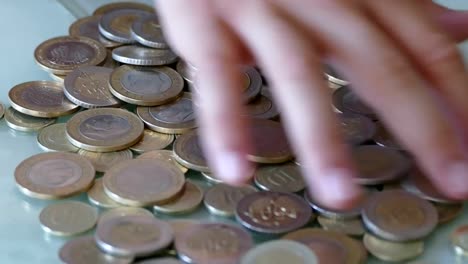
(148, 32)
(335, 214)
(356, 129)
(333, 76)
(138, 55)
(346, 101)
(116, 25)
(285, 177)
(280, 252)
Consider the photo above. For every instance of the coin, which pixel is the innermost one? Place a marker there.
(280, 252)
(122, 5)
(356, 129)
(334, 77)
(54, 138)
(188, 152)
(141, 56)
(104, 130)
(419, 184)
(285, 177)
(187, 71)
(273, 212)
(378, 165)
(132, 235)
(346, 101)
(460, 240)
(350, 227)
(211, 178)
(383, 138)
(152, 141)
(160, 261)
(124, 211)
(102, 162)
(399, 216)
(176, 117)
(62, 55)
(98, 197)
(448, 212)
(21, 122)
(41, 99)
(89, 27)
(83, 250)
(333, 85)
(2, 110)
(164, 155)
(116, 24)
(110, 62)
(54, 175)
(143, 182)
(180, 226)
(262, 107)
(88, 87)
(222, 199)
(189, 199)
(351, 213)
(57, 78)
(146, 86)
(329, 247)
(68, 218)
(213, 243)
(391, 251)
(148, 32)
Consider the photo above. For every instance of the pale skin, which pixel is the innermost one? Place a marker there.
(400, 55)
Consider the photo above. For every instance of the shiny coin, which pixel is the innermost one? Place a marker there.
(122, 5)
(186, 71)
(351, 227)
(460, 240)
(399, 216)
(146, 86)
(88, 87)
(286, 177)
(222, 199)
(143, 182)
(357, 129)
(116, 25)
(187, 201)
(280, 252)
(148, 32)
(213, 244)
(132, 235)
(273, 212)
(346, 101)
(160, 261)
(54, 175)
(124, 211)
(102, 162)
(54, 138)
(391, 251)
(98, 197)
(64, 54)
(448, 212)
(262, 107)
(420, 185)
(41, 99)
(352, 213)
(89, 27)
(141, 56)
(25, 123)
(57, 78)
(383, 138)
(83, 250)
(334, 77)
(211, 178)
(176, 117)
(188, 152)
(378, 165)
(164, 155)
(152, 141)
(104, 130)
(68, 218)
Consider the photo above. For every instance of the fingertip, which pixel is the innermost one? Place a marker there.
(455, 184)
(232, 167)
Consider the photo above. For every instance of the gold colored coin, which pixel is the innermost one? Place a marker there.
(460, 240)
(54, 175)
(350, 227)
(54, 138)
(448, 212)
(102, 162)
(164, 155)
(222, 199)
(124, 211)
(152, 141)
(21, 122)
(122, 5)
(189, 199)
(98, 197)
(391, 251)
(188, 152)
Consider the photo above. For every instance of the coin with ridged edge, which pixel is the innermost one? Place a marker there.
(280, 252)
(152, 141)
(391, 251)
(25, 123)
(102, 162)
(187, 201)
(188, 152)
(116, 24)
(89, 27)
(54, 138)
(222, 199)
(122, 5)
(148, 32)
(164, 155)
(141, 56)
(98, 197)
(286, 177)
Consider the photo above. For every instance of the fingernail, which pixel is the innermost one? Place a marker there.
(338, 189)
(456, 181)
(233, 167)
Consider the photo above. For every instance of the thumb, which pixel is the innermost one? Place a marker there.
(455, 22)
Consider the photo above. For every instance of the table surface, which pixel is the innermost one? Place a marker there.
(25, 24)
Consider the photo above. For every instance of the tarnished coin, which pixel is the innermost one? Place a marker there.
(448, 212)
(213, 243)
(146, 86)
(399, 216)
(102, 162)
(124, 211)
(152, 141)
(164, 155)
(64, 54)
(68, 218)
(460, 240)
(54, 175)
(211, 178)
(88, 87)
(273, 212)
(280, 252)
(329, 247)
(346, 101)
(334, 77)
(352, 213)
(286, 177)
(122, 5)
(419, 184)
(89, 27)
(54, 138)
(167, 260)
(98, 197)
(383, 138)
(187, 201)
(83, 250)
(25, 123)
(350, 227)
(141, 56)
(187, 71)
(262, 107)
(378, 165)
(104, 129)
(148, 32)
(392, 251)
(41, 99)
(357, 129)
(143, 182)
(132, 235)
(176, 117)
(188, 152)
(222, 199)
(116, 24)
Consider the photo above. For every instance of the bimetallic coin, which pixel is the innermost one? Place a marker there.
(211, 178)
(448, 212)
(176, 117)
(460, 240)
(391, 251)
(64, 54)
(357, 129)
(188, 152)
(124, 211)
(262, 107)
(148, 32)
(98, 197)
(352, 213)
(334, 77)
(160, 261)
(89, 27)
(102, 162)
(280, 252)
(122, 5)
(54, 175)
(104, 129)
(222, 199)
(88, 87)
(399, 216)
(346, 101)
(132, 235)
(21, 122)
(146, 86)
(54, 138)
(143, 182)
(273, 212)
(213, 243)
(164, 155)
(41, 99)
(68, 218)
(141, 56)
(116, 25)
(187, 201)
(419, 184)
(383, 138)
(187, 71)
(350, 227)
(152, 141)
(286, 177)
